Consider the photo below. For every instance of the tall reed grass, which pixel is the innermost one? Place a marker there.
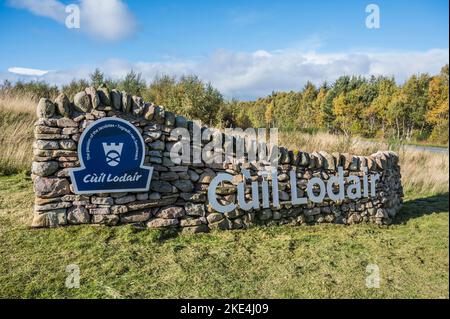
(17, 117)
(423, 172)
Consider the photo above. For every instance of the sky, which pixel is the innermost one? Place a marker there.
(246, 49)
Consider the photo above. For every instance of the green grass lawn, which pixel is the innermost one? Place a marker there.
(323, 261)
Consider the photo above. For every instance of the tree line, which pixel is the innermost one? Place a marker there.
(375, 107)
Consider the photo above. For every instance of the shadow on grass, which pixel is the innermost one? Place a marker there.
(418, 207)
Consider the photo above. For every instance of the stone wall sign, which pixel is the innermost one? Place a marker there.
(108, 158)
(111, 153)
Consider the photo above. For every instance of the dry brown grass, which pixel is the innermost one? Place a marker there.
(17, 116)
(327, 142)
(423, 172)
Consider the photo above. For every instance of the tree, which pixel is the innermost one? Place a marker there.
(97, 78)
(415, 96)
(74, 87)
(133, 83)
(438, 106)
(376, 112)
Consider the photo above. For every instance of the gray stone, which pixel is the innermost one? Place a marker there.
(78, 215)
(44, 168)
(154, 196)
(168, 176)
(108, 220)
(381, 213)
(103, 94)
(100, 211)
(82, 102)
(153, 134)
(265, 214)
(138, 105)
(224, 224)
(52, 206)
(151, 203)
(51, 136)
(45, 108)
(304, 159)
(46, 145)
(66, 122)
(354, 219)
(312, 212)
(207, 176)
(125, 199)
(135, 217)
(191, 222)
(102, 200)
(62, 103)
(329, 162)
(195, 209)
(193, 175)
(69, 130)
(116, 99)
(142, 196)
(155, 153)
(149, 111)
(157, 145)
(185, 186)
(50, 219)
(180, 121)
(118, 209)
(214, 217)
(171, 212)
(168, 162)
(158, 115)
(234, 214)
(169, 119)
(162, 222)
(46, 130)
(127, 102)
(155, 160)
(57, 217)
(161, 186)
(68, 145)
(284, 196)
(93, 95)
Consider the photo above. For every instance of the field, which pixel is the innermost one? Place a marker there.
(323, 261)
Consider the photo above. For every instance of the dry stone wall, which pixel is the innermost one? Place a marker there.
(178, 194)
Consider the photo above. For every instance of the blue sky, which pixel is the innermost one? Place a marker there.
(245, 48)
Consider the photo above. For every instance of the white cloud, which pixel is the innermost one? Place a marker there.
(46, 8)
(104, 19)
(27, 71)
(108, 19)
(255, 74)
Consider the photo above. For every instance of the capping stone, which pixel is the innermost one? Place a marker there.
(82, 102)
(45, 108)
(95, 99)
(63, 105)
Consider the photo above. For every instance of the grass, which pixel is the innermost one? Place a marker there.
(323, 261)
(17, 117)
